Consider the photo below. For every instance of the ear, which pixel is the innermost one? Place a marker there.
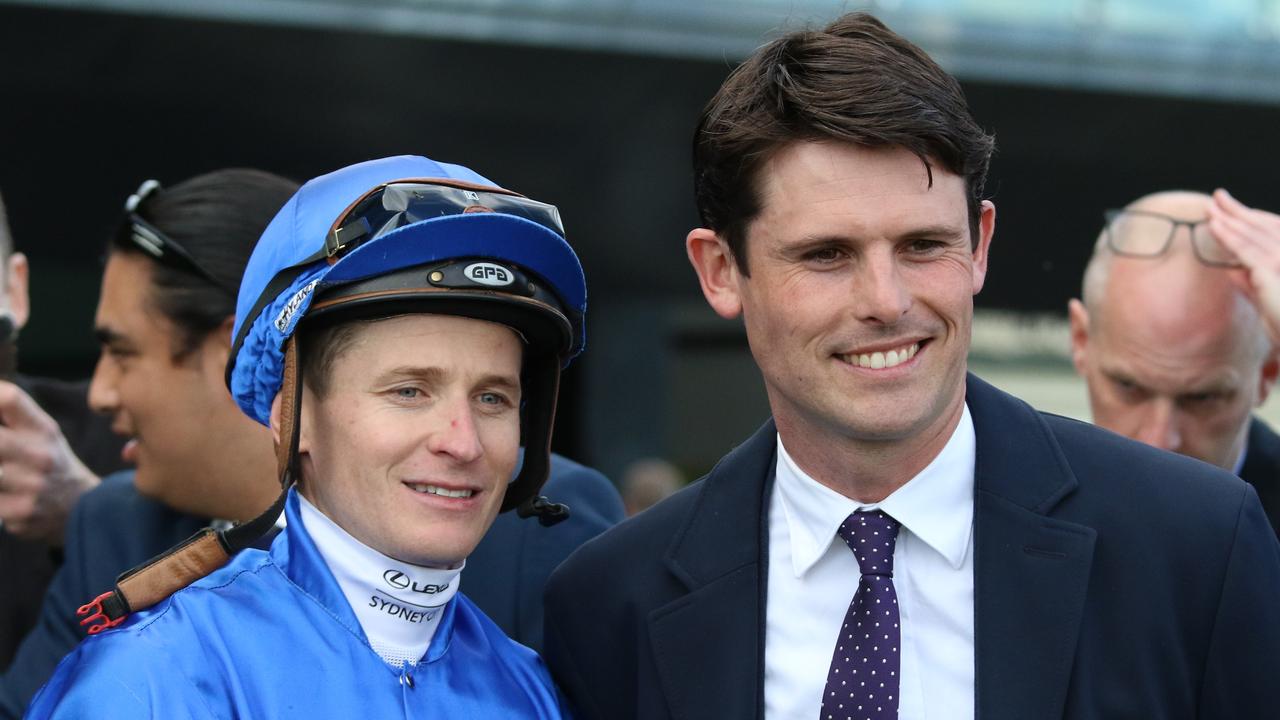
(1267, 378)
(223, 333)
(986, 229)
(216, 350)
(1078, 316)
(304, 433)
(275, 419)
(717, 271)
(16, 288)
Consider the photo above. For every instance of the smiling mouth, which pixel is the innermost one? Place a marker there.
(881, 360)
(425, 489)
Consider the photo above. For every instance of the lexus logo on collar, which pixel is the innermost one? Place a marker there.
(400, 581)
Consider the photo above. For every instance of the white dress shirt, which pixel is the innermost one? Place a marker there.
(813, 577)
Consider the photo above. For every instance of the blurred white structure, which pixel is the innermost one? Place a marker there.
(1224, 49)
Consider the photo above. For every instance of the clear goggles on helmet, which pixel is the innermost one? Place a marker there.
(163, 248)
(397, 204)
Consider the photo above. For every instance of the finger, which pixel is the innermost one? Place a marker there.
(23, 448)
(18, 410)
(1238, 238)
(1255, 218)
(1229, 232)
(19, 480)
(1226, 201)
(17, 512)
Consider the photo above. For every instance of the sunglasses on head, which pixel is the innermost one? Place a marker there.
(163, 248)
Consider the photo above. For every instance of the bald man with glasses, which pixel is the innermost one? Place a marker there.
(1175, 333)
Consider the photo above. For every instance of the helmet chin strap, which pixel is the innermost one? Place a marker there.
(548, 513)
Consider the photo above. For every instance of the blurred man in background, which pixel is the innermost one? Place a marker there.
(1174, 354)
(647, 482)
(52, 450)
(163, 321)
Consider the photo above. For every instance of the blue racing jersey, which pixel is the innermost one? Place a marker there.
(271, 635)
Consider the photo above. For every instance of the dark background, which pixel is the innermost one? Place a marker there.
(95, 103)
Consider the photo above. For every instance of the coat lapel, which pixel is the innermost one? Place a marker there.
(1031, 571)
(709, 644)
(1031, 575)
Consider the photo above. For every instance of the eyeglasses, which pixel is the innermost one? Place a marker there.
(1142, 233)
(160, 246)
(398, 204)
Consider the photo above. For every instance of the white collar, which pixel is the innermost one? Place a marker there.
(1244, 452)
(936, 505)
(399, 605)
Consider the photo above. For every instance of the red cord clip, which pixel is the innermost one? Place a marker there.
(97, 614)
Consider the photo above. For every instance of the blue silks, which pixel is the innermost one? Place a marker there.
(271, 635)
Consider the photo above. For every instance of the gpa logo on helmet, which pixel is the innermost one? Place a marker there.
(489, 274)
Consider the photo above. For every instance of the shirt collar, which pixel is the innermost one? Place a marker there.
(1244, 452)
(936, 505)
(295, 553)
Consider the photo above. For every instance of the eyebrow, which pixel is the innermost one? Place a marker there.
(927, 231)
(1219, 385)
(430, 374)
(934, 231)
(435, 376)
(108, 336)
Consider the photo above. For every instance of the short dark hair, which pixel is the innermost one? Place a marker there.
(319, 346)
(854, 81)
(217, 218)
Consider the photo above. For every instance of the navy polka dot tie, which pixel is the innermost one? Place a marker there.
(862, 683)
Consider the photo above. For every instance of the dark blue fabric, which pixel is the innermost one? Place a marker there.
(1112, 580)
(113, 528)
(29, 565)
(271, 635)
(507, 572)
(1261, 468)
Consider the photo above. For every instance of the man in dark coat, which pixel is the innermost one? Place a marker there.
(901, 540)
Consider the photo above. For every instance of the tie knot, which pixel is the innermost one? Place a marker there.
(871, 536)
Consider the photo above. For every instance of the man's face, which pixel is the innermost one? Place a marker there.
(1182, 376)
(415, 438)
(174, 410)
(860, 299)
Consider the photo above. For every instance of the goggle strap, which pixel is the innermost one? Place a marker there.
(340, 237)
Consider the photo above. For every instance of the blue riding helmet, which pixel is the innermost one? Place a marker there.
(407, 234)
